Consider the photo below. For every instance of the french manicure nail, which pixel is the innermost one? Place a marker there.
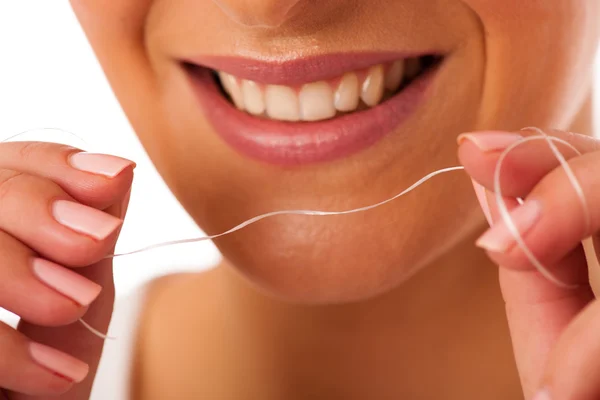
(480, 192)
(101, 164)
(59, 362)
(65, 281)
(499, 238)
(84, 219)
(542, 395)
(490, 141)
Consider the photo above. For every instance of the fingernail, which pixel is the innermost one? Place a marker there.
(84, 219)
(100, 164)
(67, 282)
(59, 362)
(480, 192)
(490, 141)
(499, 238)
(542, 395)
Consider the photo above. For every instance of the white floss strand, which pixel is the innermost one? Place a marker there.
(293, 212)
(95, 331)
(47, 129)
(504, 213)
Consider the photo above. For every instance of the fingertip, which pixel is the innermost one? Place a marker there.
(480, 193)
(100, 164)
(58, 362)
(489, 141)
(543, 394)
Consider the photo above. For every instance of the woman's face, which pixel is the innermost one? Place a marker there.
(314, 131)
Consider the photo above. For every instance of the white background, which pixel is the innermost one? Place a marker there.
(50, 78)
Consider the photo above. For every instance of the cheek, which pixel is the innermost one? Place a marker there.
(116, 32)
(539, 59)
(125, 16)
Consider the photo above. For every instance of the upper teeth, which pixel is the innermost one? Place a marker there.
(318, 100)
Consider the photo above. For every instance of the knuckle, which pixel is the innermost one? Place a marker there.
(8, 180)
(19, 183)
(82, 252)
(31, 151)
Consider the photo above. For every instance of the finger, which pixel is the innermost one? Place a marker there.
(552, 221)
(481, 194)
(537, 314)
(525, 165)
(564, 270)
(40, 214)
(38, 290)
(537, 309)
(74, 339)
(34, 369)
(97, 180)
(492, 205)
(573, 368)
(523, 285)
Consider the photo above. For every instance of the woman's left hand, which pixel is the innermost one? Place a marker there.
(555, 330)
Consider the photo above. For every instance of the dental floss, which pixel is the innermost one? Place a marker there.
(8, 139)
(504, 213)
(292, 212)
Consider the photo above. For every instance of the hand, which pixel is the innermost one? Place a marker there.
(555, 330)
(60, 213)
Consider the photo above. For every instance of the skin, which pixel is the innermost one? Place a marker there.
(408, 307)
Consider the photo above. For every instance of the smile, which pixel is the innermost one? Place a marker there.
(305, 111)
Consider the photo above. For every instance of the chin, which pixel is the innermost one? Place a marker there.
(315, 262)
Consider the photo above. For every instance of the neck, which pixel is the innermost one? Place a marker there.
(443, 331)
(436, 333)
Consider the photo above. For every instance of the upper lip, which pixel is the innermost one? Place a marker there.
(297, 70)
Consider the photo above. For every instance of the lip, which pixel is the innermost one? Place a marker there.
(300, 143)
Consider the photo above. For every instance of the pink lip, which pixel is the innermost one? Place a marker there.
(299, 143)
(298, 70)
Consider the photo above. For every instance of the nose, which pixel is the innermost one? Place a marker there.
(264, 13)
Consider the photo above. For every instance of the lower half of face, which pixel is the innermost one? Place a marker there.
(251, 106)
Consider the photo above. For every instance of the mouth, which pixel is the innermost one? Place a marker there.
(309, 110)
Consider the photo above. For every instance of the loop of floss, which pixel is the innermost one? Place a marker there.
(503, 210)
(505, 214)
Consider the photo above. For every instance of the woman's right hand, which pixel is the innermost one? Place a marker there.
(61, 212)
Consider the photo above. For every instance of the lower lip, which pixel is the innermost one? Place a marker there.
(300, 143)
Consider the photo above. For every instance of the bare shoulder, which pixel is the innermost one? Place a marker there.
(177, 334)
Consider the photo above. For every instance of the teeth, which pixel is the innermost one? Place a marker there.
(346, 96)
(394, 76)
(253, 97)
(282, 103)
(372, 87)
(316, 101)
(319, 100)
(233, 89)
